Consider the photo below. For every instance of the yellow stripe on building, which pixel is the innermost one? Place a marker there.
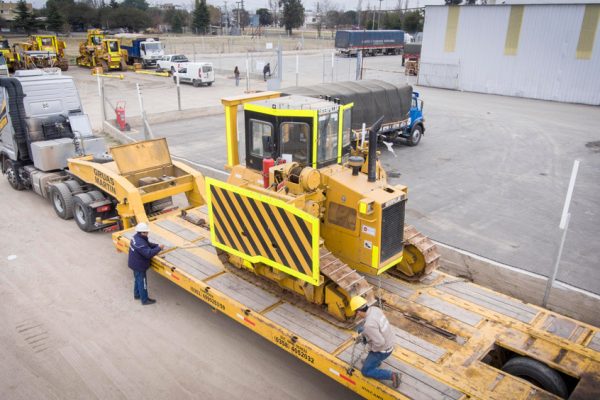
(587, 35)
(515, 20)
(451, 29)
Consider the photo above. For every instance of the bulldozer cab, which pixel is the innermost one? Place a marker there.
(96, 40)
(310, 131)
(46, 43)
(112, 47)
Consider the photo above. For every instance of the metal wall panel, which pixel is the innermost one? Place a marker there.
(544, 64)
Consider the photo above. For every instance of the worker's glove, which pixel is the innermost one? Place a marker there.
(361, 339)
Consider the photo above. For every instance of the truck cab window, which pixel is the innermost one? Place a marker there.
(328, 139)
(295, 140)
(112, 46)
(262, 137)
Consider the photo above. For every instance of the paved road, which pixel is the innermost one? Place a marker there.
(71, 329)
(490, 177)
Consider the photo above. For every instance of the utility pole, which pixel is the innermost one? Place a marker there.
(239, 25)
(379, 15)
(358, 12)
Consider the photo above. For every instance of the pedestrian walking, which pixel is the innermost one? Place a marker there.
(141, 251)
(376, 332)
(267, 70)
(236, 72)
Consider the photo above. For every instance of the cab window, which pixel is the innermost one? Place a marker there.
(46, 42)
(295, 140)
(327, 148)
(347, 128)
(262, 136)
(96, 40)
(206, 68)
(113, 46)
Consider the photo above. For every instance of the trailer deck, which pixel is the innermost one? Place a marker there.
(447, 329)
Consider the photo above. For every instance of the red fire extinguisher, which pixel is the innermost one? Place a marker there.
(267, 163)
(120, 111)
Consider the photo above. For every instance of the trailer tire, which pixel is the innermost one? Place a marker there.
(12, 174)
(83, 213)
(196, 83)
(209, 84)
(537, 373)
(415, 135)
(62, 200)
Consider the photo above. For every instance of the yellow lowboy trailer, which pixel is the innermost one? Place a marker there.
(452, 336)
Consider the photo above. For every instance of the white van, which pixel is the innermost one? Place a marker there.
(196, 73)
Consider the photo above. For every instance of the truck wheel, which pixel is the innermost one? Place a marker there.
(415, 135)
(62, 200)
(209, 84)
(538, 374)
(12, 175)
(196, 83)
(105, 68)
(123, 65)
(83, 213)
(172, 70)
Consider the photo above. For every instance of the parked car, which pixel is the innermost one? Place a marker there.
(171, 62)
(196, 73)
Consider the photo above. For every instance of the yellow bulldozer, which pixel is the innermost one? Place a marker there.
(311, 208)
(99, 51)
(41, 51)
(9, 55)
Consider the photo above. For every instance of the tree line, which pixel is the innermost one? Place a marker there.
(63, 16)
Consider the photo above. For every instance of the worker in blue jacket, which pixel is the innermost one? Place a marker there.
(141, 251)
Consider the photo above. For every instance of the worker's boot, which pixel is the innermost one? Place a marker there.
(149, 301)
(396, 378)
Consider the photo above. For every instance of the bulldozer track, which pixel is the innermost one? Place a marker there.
(345, 277)
(425, 246)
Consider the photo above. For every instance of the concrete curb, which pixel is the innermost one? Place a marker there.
(524, 285)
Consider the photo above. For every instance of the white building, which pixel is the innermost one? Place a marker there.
(549, 52)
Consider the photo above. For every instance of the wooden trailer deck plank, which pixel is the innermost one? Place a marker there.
(193, 264)
(491, 300)
(244, 292)
(415, 384)
(308, 327)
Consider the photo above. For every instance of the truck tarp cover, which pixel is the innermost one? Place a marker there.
(371, 98)
(359, 39)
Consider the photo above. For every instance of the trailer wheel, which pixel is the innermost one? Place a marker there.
(196, 83)
(415, 135)
(12, 175)
(62, 200)
(83, 213)
(538, 374)
(209, 84)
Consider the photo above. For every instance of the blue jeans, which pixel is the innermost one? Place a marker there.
(371, 365)
(140, 287)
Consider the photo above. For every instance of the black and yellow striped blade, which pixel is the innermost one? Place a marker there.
(259, 228)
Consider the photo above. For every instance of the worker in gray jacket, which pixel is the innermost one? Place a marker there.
(377, 333)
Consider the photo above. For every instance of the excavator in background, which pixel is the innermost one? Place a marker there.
(311, 208)
(99, 51)
(40, 51)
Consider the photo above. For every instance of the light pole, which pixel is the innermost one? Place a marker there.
(379, 15)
